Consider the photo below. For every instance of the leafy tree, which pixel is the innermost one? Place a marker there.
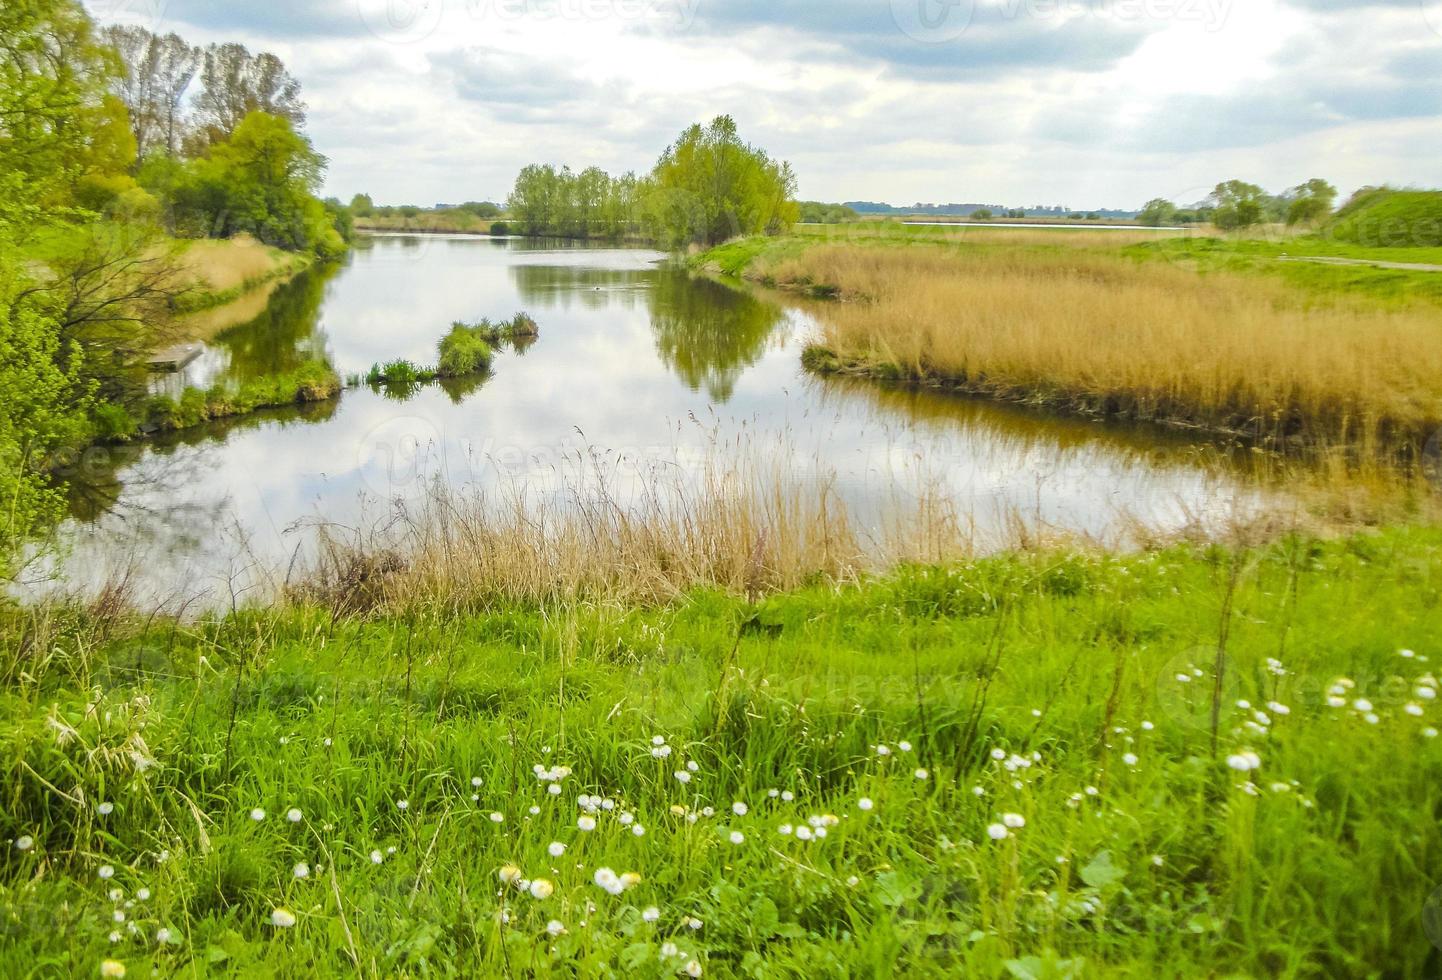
(1157, 212)
(53, 78)
(261, 181)
(816, 212)
(157, 72)
(982, 214)
(1311, 202)
(709, 186)
(1238, 205)
(236, 83)
(362, 206)
(481, 209)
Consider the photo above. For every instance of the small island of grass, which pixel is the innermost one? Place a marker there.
(466, 350)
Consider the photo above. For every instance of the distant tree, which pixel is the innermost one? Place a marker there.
(362, 206)
(982, 214)
(816, 212)
(481, 209)
(532, 203)
(1311, 202)
(236, 83)
(1157, 212)
(408, 210)
(157, 72)
(342, 218)
(1237, 205)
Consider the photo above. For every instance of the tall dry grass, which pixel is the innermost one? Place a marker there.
(1103, 334)
(738, 524)
(230, 264)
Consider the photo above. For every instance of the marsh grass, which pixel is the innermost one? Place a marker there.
(1099, 334)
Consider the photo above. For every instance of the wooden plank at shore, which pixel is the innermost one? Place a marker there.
(174, 358)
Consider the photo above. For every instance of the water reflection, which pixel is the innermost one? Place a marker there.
(709, 332)
(635, 360)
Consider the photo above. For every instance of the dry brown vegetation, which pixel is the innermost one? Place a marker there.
(1098, 333)
(736, 524)
(221, 265)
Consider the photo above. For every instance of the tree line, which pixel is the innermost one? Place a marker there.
(706, 187)
(1236, 204)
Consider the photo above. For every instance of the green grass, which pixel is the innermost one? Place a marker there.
(1277, 258)
(1264, 254)
(1172, 864)
(1391, 219)
(313, 381)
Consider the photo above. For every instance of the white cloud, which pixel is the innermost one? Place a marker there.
(1086, 102)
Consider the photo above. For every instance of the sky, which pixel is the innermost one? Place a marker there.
(1082, 103)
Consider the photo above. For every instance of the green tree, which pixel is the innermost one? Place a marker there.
(709, 186)
(1311, 202)
(262, 181)
(53, 82)
(362, 206)
(236, 83)
(1157, 212)
(1238, 205)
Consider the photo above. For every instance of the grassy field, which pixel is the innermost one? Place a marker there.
(1197, 332)
(1193, 762)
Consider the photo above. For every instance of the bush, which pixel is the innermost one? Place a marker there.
(113, 423)
(500, 228)
(464, 350)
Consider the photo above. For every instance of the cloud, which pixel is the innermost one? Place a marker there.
(1087, 102)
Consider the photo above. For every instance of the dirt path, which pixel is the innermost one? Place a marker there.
(1332, 260)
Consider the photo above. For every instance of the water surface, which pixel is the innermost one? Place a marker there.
(638, 365)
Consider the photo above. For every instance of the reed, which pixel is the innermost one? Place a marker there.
(1101, 334)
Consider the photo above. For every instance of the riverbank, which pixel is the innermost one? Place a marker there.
(1051, 761)
(220, 271)
(313, 381)
(1189, 334)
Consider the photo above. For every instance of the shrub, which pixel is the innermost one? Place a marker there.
(113, 423)
(464, 350)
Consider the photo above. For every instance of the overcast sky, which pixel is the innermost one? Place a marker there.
(1087, 103)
